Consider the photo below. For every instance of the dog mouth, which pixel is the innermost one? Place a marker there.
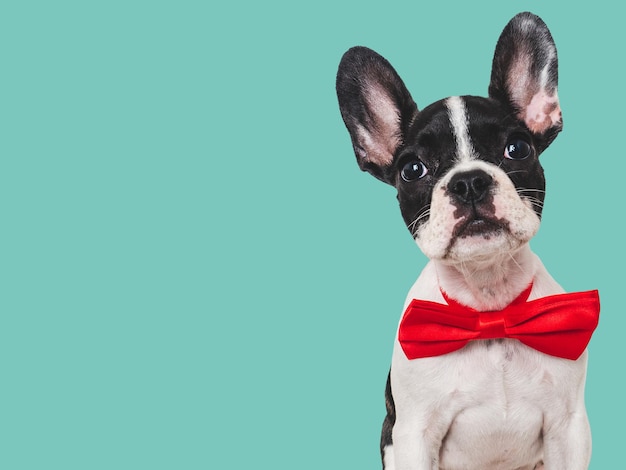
(478, 225)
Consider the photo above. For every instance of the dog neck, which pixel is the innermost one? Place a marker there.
(488, 285)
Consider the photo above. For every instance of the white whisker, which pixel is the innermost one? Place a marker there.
(422, 215)
(509, 173)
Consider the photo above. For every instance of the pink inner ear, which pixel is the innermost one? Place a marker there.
(543, 112)
(382, 139)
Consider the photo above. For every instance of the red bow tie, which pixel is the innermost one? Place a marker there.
(559, 325)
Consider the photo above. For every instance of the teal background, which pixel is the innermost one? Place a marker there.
(194, 272)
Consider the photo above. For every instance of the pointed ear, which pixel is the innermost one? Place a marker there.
(376, 108)
(525, 75)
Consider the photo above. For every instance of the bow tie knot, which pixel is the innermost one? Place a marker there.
(559, 325)
(491, 325)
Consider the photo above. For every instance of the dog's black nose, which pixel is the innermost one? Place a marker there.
(470, 186)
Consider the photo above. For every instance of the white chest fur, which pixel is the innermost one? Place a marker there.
(488, 406)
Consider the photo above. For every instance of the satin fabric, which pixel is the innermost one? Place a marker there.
(559, 325)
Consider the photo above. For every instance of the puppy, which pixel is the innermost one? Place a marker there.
(471, 191)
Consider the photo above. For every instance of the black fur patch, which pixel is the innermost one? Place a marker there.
(390, 419)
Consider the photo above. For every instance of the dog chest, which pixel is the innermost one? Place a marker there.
(486, 405)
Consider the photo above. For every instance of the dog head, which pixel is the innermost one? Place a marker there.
(466, 169)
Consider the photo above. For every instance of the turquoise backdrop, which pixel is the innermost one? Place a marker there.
(194, 272)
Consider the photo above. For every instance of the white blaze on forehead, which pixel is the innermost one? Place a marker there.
(458, 120)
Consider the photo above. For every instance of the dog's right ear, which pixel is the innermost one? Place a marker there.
(376, 108)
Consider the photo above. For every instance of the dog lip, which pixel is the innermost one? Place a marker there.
(478, 225)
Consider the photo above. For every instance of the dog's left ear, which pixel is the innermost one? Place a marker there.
(525, 75)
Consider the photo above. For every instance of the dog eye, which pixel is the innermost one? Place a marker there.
(517, 149)
(413, 170)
